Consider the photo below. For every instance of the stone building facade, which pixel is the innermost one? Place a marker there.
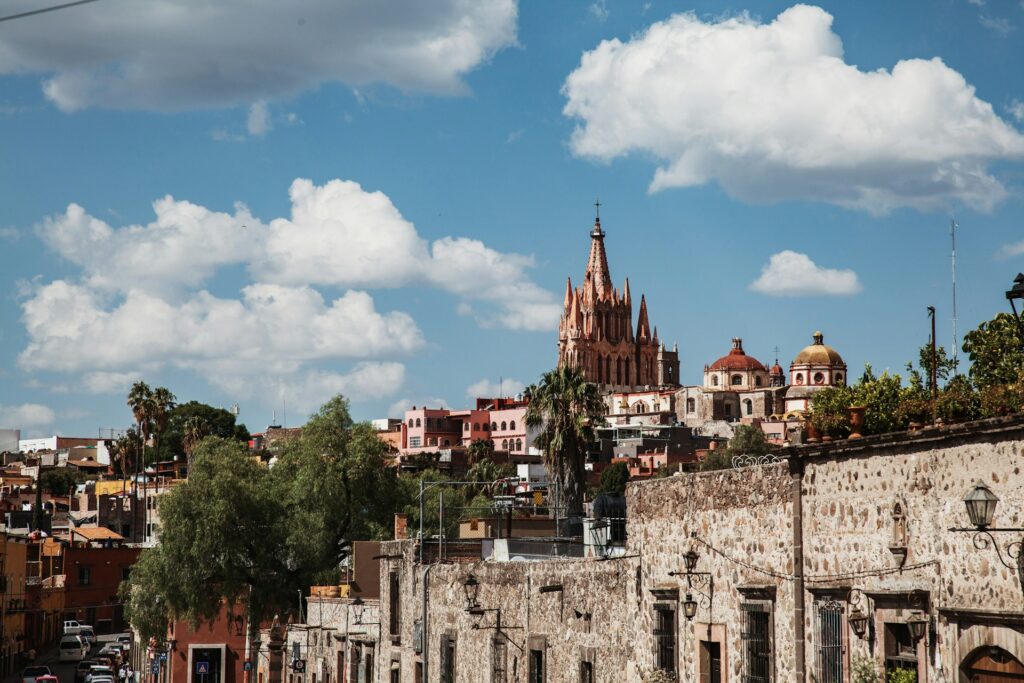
(789, 556)
(737, 387)
(596, 331)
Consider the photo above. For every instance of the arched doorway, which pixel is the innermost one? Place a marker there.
(991, 664)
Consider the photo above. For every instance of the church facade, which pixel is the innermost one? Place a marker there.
(596, 331)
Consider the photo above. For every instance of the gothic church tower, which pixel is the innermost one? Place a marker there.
(596, 331)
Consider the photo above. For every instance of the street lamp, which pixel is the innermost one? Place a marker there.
(858, 622)
(690, 558)
(471, 586)
(689, 607)
(981, 509)
(918, 624)
(1017, 293)
(981, 505)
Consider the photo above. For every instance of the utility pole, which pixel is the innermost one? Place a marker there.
(952, 235)
(934, 376)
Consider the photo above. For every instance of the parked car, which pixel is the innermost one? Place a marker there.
(49, 678)
(102, 679)
(126, 642)
(82, 669)
(72, 648)
(72, 627)
(99, 671)
(114, 651)
(31, 673)
(88, 634)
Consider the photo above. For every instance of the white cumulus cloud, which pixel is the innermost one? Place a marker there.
(27, 416)
(789, 273)
(338, 234)
(772, 111)
(272, 331)
(487, 388)
(179, 54)
(183, 247)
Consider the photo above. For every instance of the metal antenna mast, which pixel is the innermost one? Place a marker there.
(952, 236)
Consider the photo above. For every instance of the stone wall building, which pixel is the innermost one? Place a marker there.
(804, 568)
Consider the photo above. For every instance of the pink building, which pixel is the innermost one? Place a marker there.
(502, 421)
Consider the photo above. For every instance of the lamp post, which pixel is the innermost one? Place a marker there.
(695, 578)
(1014, 294)
(981, 509)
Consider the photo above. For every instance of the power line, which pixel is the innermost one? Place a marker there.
(30, 13)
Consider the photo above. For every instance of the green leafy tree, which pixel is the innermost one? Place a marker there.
(1003, 399)
(61, 480)
(565, 408)
(479, 449)
(485, 473)
(958, 401)
(748, 440)
(197, 417)
(336, 486)
(614, 479)
(880, 397)
(945, 366)
(220, 539)
(718, 459)
(830, 410)
(241, 532)
(994, 348)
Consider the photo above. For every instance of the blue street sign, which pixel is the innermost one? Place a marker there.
(163, 656)
(247, 666)
(202, 668)
(156, 668)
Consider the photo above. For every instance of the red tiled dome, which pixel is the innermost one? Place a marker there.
(737, 359)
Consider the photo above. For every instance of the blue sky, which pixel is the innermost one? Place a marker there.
(416, 180)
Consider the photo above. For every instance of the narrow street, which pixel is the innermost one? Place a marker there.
(65, 671)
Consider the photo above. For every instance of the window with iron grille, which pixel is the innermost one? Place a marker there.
(756, 640)
(499, 661)
(536, 673)
(665, 638)
(396, 604)
(829, 638)
(447, 659)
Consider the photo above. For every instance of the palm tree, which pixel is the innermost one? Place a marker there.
(120, 452)
(194, 430)
(140, 400)
(565, 408)
(163, 403)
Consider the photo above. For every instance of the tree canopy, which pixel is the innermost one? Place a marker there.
(240, 531)
(565, 408)
(994, 348)
(186, 420)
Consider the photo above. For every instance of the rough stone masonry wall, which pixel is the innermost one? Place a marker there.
(739, 517)
(593, 616)
(849, 500)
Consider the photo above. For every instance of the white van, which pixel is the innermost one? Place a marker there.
(72, 648)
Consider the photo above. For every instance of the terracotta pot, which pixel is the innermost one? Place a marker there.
(812, 432)
(856, 421)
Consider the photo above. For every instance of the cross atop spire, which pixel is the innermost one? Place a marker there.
(597, 206)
